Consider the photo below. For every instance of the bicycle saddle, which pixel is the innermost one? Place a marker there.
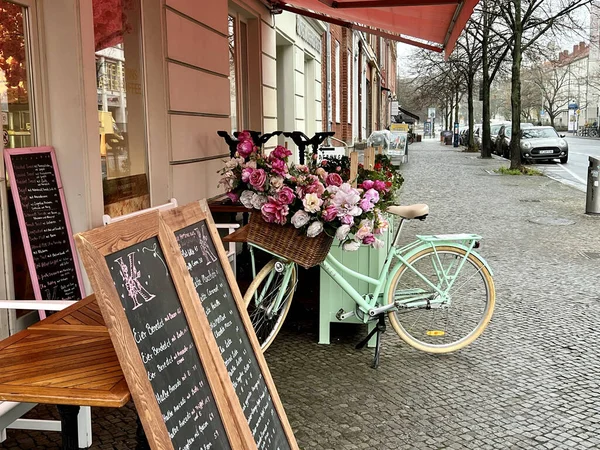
(418, 211)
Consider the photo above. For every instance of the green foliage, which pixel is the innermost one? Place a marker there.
(522, 171)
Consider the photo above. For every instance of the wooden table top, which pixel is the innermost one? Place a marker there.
(66, 359)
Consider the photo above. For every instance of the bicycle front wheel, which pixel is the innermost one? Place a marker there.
(268, 299)
(442, 324)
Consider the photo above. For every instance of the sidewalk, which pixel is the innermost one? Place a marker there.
(531, 381)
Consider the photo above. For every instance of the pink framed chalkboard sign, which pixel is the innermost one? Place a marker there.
(43, 218)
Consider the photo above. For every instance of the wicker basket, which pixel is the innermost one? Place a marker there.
(287, 242)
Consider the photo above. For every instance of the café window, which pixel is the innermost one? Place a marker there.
(121, 100)
(238, 72)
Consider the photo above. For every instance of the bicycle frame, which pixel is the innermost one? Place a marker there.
(369, 303)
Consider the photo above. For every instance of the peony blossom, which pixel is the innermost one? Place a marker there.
(312, 203)
(280, 152)
(246, 174)
(368, 240)
(279, 166)
(233, 196)
(246, 199)
(330, 213)
(315, 188)
(378, 243)
(367, 184)
(347, 219)
(314, 229)
(257, 179)
(286, 195)
(379, 185)
(273, 211)
(346, 200)
(333, 179)
(351, 246)
(365, 229)
(321, 173)
(300, 219)
(342, 232)
(245, 148)
(244, 136)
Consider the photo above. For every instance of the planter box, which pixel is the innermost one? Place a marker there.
(332, 298)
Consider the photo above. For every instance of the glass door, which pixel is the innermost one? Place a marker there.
(19, 129)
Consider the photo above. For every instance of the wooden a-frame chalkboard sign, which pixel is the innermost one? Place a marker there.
(44, 223)
(218, 294)
(163, 340)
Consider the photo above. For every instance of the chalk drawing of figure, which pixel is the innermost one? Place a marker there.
(206, 250)
(131, 277)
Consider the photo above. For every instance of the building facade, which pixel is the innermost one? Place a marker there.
(131, 94)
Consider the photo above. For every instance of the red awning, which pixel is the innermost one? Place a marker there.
(431, 24)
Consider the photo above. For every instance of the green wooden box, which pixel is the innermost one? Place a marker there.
(332, 298)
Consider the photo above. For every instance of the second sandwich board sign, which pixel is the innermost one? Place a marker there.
(180, 379)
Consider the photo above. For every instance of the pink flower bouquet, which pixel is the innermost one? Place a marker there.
(307, 197)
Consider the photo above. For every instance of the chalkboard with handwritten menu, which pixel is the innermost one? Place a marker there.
(250, 378)
(164, 345)
(44, 222)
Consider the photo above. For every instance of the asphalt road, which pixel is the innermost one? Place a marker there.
(573, 173)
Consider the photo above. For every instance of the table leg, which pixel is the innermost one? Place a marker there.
(142, 440)
(68, 423)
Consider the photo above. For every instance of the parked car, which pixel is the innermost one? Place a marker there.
(494, 128)
(543, 143)
(502, 144)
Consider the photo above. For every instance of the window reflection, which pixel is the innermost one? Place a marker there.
(121, 114)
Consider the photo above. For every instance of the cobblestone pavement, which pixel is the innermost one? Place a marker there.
(532, 380)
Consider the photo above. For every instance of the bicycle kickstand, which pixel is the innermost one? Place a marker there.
(379, 329)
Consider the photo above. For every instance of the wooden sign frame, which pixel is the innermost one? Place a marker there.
(94, 246)
(21, 217)
(190, 214)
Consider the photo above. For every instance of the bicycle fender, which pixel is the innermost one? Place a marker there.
(425, 246)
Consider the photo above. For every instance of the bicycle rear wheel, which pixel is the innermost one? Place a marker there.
(449, 323)
(268, 299)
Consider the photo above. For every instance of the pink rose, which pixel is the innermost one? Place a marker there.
(257, 179)
(315, 188)
(333, 179)
(274, 211)
(279, 166)
(330, 213)
(348, 219)
(280, 152)
(234, 196)
(246, 174)
(286, 196)
(379, 185)
(245, 148)
(367, 184)
(369, 239)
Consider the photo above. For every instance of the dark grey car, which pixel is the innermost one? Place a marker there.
(543, 143)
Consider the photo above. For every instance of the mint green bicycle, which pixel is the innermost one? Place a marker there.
(437, 291)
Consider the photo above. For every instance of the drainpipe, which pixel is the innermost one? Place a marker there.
(328, 78)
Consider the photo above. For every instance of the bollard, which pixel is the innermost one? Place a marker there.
(592, 203)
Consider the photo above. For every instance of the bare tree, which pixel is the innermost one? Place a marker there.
(524, 22)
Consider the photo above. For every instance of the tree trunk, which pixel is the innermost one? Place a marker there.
(456, 102)
(470, 87)
(515, 96)
(486, 140)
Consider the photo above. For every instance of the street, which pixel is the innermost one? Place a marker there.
(574, 173)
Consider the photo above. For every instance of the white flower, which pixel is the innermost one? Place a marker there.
(342, 232)
(233, 163)
(351, 246)
(314, 229)
(332, 189)
(378, 243)
(276, 183)
(258, 200)
(300, 219)
(312, 203)
(251, 164)
(227, 180)
(246, 199)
